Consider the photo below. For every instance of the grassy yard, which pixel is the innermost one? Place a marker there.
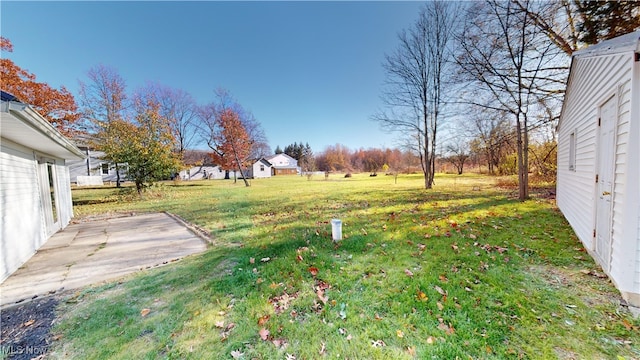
(461, 271)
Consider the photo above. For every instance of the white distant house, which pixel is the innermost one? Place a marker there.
(283, 164)
(598, 187)
(94, 169)
(202, 172)
(260, 169)
(35, 188)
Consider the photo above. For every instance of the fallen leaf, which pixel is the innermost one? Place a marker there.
(252, 260)
(279, 343)
(291, 357)
(431, 340)
(377, 317)
(264, 334)
(313, 270)
(440, 291)
(422, 296)
(454, 247)
(448, 329)
(321, 296)
(349, 337)
(399, 333)
(230, 326)
(237, 354)
(299, 258)
(30, 322)
(322, 349)
(364, 232)
(440, 306)
(144, 312)
(265, 259)
(408, 272)
(263, 319)
(411, 350)
(471, 236)
(443, 278)
(219, 324)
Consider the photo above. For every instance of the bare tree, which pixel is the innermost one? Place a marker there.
(416, 84)
(515, 65)
(178, 108)
(103, 101)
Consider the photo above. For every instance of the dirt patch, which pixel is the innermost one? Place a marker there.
(26, 328)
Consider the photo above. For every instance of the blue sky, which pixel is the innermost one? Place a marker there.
(309, 71)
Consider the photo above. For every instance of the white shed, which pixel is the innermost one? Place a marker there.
(598, 188)
(35, 190)
(260, 169)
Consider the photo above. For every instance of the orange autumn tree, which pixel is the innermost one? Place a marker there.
(231, 143)
(56, 105)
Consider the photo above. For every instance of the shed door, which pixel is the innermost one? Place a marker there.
(604, 186)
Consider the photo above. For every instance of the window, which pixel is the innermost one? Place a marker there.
(572, 151)
(261, 167)
(105, 169)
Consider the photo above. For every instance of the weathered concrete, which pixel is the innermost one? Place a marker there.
(95, 251)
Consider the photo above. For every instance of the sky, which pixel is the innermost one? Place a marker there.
(309, 71)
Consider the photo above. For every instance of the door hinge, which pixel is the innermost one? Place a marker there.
(597, 178)
(599, 121)
(594, 232)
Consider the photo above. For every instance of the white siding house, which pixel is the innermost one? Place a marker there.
(201, 172)
(94, 168)
(598, 187)
(35, 189)
(260, 169)
(283, 164)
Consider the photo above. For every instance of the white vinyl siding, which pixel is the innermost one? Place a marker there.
(595, 77)
(23, 229)
(22, 221)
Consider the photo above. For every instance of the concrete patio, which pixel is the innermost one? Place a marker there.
(100, 250)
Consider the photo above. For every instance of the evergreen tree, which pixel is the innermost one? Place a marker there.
(602, 20)
(278, 150)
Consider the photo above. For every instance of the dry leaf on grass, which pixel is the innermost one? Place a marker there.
(264, 334)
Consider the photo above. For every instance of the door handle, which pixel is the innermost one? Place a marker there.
(605, 193)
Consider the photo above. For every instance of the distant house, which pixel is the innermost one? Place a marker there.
(283, 164)
(94, 169)
(260, 169)
(202, 172)
(598, 186)
(35, 189)
(198, 166)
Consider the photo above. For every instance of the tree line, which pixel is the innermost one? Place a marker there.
(492, 74)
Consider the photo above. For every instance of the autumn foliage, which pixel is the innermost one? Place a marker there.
(145, 146)
(56, 105)
(232, 142)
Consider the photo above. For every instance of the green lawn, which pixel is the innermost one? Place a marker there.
(461, 271)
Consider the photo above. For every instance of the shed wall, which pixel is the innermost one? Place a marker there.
(23, 230)
(593, 81)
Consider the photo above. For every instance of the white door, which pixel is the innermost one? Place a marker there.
(604, 186)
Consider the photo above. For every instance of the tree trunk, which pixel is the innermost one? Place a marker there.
(117, 175)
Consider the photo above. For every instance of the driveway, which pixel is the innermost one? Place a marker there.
(100, 250)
